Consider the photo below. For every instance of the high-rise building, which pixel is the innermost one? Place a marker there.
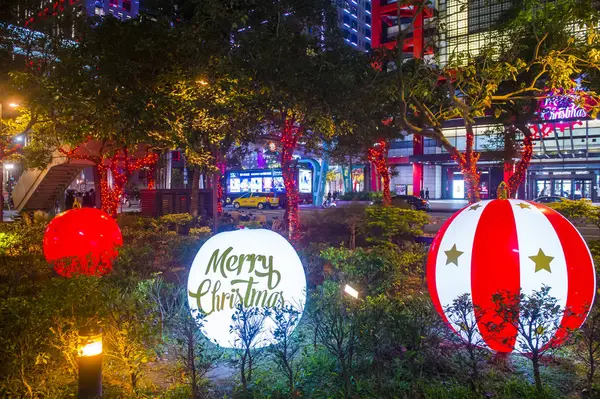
(566, 158)
(355, 17)
(59, 16)
(373, 24)
(369, 24)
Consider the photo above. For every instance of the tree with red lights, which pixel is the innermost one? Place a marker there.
(500, 83)
(302, 73)
(101, 99)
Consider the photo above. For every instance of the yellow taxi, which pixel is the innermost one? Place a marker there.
(256, 200)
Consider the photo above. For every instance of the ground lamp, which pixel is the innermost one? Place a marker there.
(510, 247)
(351, 291)
(237, 270)
(82, 241)
(90, 363)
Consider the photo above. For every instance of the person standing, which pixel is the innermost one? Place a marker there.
(329, 197)
(422, 193)
(78, 200)
(69, 199)
(86, 200)
(92, 198)
(426, 193)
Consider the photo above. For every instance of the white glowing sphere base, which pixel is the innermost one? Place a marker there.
(252, 267)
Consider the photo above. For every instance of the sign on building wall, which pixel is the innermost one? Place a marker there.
(254, 268)
(562, 111)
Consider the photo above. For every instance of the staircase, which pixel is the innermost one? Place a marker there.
(41, 188)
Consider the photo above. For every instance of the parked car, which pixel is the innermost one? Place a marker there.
(548, 199)
(412, 201)
(256, 200)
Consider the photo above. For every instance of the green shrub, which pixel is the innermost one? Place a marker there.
(386, 224)
(362, 196)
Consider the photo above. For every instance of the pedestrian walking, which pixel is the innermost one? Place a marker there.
(426, 193)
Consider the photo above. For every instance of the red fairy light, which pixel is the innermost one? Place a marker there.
(289, 140)
(377, 156)
(221, 167)
(121, 166)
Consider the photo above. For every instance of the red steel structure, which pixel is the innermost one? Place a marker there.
(386, 16)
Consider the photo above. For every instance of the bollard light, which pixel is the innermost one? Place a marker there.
(90, 363)
(351, 291)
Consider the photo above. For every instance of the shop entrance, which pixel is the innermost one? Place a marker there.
(568, 188)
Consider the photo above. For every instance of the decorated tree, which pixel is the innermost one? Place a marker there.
(100, 99)
(301, 70)
(504, 81)
(205, 102)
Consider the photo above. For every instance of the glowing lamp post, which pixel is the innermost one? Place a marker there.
(90, 363)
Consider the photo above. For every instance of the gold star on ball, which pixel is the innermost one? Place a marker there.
(523, 205)
(474, 207)
(452, 255)
(542, 261)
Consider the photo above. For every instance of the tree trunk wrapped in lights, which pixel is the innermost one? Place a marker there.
(290, 134)
(378, 156)
(221, 166)
(521, 168)
(121, 165)
(468, 166)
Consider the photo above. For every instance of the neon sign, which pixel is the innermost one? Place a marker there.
(559, 110)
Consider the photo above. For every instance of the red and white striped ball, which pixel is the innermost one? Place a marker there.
(506, 246)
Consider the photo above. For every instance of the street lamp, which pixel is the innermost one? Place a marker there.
(90, 363)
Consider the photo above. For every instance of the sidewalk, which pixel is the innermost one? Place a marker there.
(447, 205)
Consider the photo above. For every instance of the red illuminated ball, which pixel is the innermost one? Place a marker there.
(510, 247)
(82, 241)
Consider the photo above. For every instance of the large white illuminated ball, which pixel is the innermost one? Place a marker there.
(510, 246)
(254, 267)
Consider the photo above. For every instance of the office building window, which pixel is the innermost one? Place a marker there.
(368, 33)
(354, 25)
(354, 11)
(368, 20)
(483, 14)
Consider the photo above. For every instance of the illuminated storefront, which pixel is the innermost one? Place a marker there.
(340, 181)
(239, 182)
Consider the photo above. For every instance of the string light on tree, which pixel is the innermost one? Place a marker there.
(120, 165)
(221, 167)
(521, 168)
(378, 156)
(289, 140)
